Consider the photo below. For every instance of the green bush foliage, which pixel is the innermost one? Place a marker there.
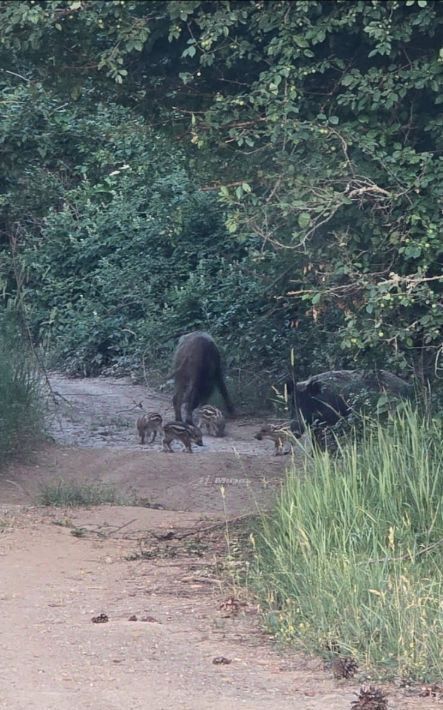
(268, 171)
(338, 122)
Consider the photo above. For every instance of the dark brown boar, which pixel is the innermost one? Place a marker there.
(327, 397)
(197, 372)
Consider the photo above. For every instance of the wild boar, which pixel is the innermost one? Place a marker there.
(278, 433)
(178, 431)
(149, 423)
(327, 397)
(211, 418)
(197, 372)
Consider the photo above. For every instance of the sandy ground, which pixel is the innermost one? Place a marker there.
(60, 568)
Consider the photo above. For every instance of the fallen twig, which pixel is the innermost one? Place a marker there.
(214, 526)
(102, 533)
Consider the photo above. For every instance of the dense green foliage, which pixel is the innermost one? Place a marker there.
(351, 558)
(268, 171)
(21, 413)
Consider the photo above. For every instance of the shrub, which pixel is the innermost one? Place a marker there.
(71, 494)
(351, 559)
(21, 414)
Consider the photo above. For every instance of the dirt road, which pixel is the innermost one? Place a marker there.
(60, 568)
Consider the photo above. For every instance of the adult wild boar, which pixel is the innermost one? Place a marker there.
(197, 371)
(327, 397)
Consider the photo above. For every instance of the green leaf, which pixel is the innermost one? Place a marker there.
(333, 120)
(185, 77)
(304, 220)
(189, 51)
(347, 80)
(300, 41)
(382, 401)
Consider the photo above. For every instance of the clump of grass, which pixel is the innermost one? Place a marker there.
(70, 494)
(351, 558)
(21, 413)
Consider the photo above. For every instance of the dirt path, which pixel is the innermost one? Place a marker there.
(59, 568)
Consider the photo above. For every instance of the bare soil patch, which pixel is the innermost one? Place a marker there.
(59, 568)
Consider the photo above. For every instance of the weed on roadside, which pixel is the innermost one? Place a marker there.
(70, 494)
(21, 397)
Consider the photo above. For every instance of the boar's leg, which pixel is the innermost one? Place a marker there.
(177, 401)
(192, 400)
(224, 393)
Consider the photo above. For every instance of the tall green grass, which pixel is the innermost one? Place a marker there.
(352, 557)
(21, 410)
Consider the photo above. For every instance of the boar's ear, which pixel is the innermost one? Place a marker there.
(313, 388)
